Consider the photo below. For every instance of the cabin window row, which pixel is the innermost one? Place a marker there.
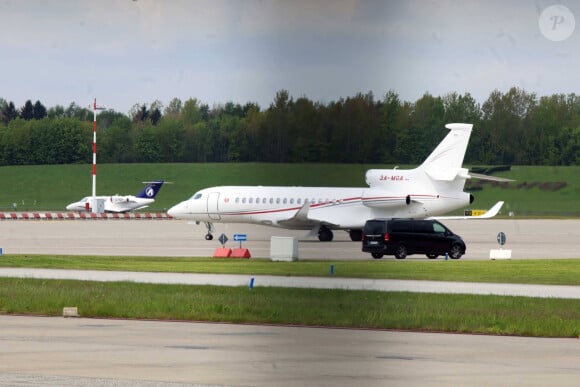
(258, 200)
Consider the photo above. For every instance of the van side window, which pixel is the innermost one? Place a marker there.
(403, 226)
(424, 226)
(438, 228)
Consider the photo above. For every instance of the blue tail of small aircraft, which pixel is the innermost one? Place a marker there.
(150, 191)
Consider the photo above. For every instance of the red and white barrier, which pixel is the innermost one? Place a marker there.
(83, 216)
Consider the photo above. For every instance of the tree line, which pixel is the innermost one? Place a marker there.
(513, 127)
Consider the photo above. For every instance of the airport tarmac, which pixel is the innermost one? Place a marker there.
(526, 238)
(41, 351)
(49, 351)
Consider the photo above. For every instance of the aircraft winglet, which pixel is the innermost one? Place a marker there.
(300, 218)
(302, 213)
(493, 211)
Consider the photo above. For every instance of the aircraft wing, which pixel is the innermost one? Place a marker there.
(300, 220)
(139, 208)
(493, 211)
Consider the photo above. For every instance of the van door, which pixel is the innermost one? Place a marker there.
(421, 241)
(438, 240)
(212, 206)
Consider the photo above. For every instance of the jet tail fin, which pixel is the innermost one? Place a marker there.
(445, 162)
(150, 190)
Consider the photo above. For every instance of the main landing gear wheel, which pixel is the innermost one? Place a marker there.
(355, 235)
(325, 234)
(208, 237)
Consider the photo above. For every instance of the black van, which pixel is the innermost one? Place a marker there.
(402, 237)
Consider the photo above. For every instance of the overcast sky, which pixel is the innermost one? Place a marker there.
(125, 52)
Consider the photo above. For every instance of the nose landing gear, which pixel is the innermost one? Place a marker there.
(210, 230)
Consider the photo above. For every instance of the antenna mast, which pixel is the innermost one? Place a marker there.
(94, 206)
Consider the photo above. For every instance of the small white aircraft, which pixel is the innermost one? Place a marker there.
(118, 203)
(433, 188)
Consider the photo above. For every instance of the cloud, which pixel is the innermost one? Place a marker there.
(125, 51)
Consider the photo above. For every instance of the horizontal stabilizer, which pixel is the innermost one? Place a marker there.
(487, 177)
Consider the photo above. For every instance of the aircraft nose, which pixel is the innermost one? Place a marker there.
(177, 210)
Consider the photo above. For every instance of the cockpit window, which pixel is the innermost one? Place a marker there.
(197, 196)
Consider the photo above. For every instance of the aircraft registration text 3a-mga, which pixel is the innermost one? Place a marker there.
(121, 203)
(433, 188)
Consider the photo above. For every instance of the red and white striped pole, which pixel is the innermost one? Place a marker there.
(94, 200)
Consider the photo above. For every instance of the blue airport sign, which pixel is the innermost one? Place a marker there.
(240, 237)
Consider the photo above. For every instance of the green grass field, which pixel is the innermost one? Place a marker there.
(313, 307)
(339, 308)
(53, 187)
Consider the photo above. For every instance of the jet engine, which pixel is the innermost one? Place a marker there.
(379, 198)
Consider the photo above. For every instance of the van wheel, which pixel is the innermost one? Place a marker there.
(377, 255)
(432, 256)
(455, 252)
(401, 252)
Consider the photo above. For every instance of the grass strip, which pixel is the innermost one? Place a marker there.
(533, 271)
(338, 308)
(69, 182)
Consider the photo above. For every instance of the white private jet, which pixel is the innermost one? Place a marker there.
(119, 203)
(433, 188)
